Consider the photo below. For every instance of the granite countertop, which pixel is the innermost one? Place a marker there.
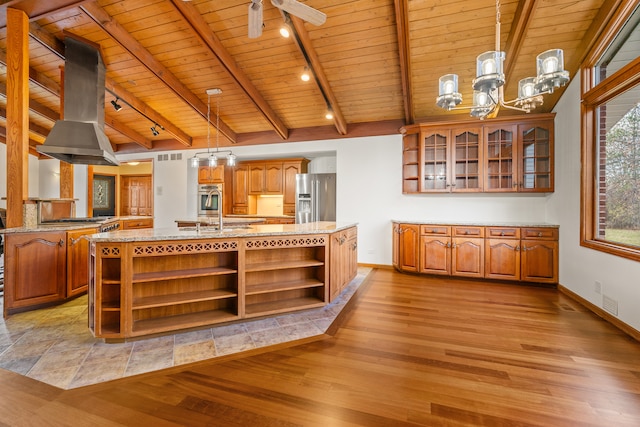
(259, 216)
(68, 226)
(225, 220)
(186, 233)
(477, 223)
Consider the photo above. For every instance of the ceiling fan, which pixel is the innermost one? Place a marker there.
(293, 7)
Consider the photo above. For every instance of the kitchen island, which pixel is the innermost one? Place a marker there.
(146, 282)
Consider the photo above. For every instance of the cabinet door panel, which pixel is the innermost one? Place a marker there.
(273, 178)
(408, 247)
(539, 261)
(435, 161)
(467, 257)
(240, 187)
(435, 255)
(35, 270)
(536, 157)
(466, 162)
(78, 261)
(502, 259)
(500, 159)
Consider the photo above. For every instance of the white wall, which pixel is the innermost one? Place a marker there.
(581, 267)
(34, 167)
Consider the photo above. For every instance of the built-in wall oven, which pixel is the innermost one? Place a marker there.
(209, 199)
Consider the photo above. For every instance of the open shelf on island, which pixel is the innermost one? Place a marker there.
(263, 288)
(181, 298)
(281, 306)
(181, 274)
(186, 320)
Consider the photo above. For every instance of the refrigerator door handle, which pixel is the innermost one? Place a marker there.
(316, 191)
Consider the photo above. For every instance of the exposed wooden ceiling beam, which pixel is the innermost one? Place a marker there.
(36, 9)
(209, 39)
(56, 46)
(303, 42)
(131, 45)
(404, 51)
(519, 27)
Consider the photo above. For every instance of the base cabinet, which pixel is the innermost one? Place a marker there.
(344, 260)
(527, 254)
(35, 270)
(406, 239)
(78, 261)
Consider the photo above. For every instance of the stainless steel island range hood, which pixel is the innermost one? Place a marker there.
(79, 138)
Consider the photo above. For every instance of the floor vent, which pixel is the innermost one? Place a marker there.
(610, 305)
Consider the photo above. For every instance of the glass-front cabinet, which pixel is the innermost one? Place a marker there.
(501, 155)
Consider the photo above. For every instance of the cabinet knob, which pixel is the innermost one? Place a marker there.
(61, 242)
(540, 234)
(502, 233)
(517, 248)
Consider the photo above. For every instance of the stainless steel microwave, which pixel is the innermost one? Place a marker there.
(209, 199)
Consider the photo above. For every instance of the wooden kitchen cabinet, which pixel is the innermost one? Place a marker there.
(528, 254)
(502, 249)
(435, 249)
(467, 251)
(211, 175)
(344, 260)
(503, 155)
(539, 255)
(406, 239)
(265, 178)
(240, 193)
(78, 261)
(35, 269)
(290, 169)
(519, 157)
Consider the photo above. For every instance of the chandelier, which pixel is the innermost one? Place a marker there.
(488, 86)
(212, 156)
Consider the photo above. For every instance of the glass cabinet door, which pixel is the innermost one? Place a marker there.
(434, 161)
(467, 160)
(500, 158)
(536, 165)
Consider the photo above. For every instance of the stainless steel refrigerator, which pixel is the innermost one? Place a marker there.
(315, 197)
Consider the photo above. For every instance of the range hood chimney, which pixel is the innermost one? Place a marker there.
(79, 138)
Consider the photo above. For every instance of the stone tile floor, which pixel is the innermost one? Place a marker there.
(55, 346)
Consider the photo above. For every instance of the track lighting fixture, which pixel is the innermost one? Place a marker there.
(329, 115)
(115, 104)
(305, 76)
(284, 31)
(155, 131)
(212, 156)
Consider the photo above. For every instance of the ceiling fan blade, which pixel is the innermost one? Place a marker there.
(255, 19)
(301, 10)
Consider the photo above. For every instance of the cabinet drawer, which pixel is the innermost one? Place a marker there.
(468, 231)
(130, 224)
(540, 233)
(506, 232)
(435, 230)
(239, 210)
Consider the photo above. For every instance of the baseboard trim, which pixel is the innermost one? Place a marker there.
(380, 266)
(632, 332)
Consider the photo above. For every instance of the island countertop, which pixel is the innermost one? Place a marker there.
(186, 233)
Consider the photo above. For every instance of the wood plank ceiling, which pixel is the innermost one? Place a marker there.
(376, 63)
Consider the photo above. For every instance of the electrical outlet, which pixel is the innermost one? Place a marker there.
(597, 287)
(610, 305)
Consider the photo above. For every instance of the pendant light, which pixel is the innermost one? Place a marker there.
(488, 86)
(212, 156)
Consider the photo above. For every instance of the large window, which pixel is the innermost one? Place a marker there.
(611, 139)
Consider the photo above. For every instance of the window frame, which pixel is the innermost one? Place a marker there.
(593, 96)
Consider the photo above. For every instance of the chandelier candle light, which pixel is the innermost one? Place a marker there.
(488, 86)
(212, 156)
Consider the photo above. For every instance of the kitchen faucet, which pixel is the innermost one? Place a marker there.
(207, 203)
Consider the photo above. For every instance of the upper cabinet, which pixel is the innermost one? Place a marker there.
(211, 175)
(508, 155)
(265, 178)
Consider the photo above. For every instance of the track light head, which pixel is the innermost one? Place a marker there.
(115, 104)
(154, 131)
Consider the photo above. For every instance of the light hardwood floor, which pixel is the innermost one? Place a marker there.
(410, 351)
